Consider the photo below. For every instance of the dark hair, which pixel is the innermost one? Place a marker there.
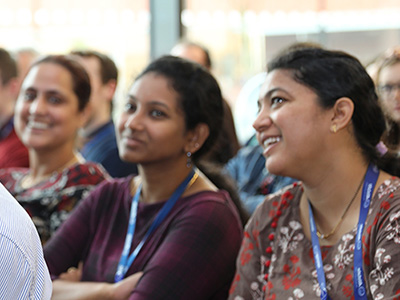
(8, 66)
(199, 95)
(108, 69)
(335, 74)
(200, 99)
(80, 79)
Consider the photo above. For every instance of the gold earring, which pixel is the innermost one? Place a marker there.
(334, 128)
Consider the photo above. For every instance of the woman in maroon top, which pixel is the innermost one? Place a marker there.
(170, 226)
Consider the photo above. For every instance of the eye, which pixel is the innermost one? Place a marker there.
(277, 101)
(130, 107)
(157, 113)
(29, 96)
(54, 100)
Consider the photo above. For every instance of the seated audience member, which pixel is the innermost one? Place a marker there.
(50, 109)
(252, 179)
(334, 235)
(228, 144)
(12, 152)
(170, 225)
(98, 134)
(387, 78)
(24, 58)
(24, 271)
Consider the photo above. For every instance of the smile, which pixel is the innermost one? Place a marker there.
(37, 125)
(271, 140)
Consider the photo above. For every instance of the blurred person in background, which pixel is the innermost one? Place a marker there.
(228, 144)
(51, 108)
(12, 152)
(387, 79)
(97, 138)
(24, 58)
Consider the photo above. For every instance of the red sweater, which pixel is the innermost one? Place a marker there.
(12, 152)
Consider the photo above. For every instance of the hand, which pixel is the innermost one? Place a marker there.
(72, 274)
(122, 290)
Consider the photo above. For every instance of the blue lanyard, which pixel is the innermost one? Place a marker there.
(126, 260)
(358, 275)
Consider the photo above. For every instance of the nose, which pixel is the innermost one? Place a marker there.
(263, 120)
(134, 121)
(396, 93)
(37, 106)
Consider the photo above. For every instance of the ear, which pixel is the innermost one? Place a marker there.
(197, 137)
(14, 86)
(110, 88)
(84, 115)
(342, 114)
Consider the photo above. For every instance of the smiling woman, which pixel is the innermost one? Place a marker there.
(49, 111)
(170, 226)
(335, 234)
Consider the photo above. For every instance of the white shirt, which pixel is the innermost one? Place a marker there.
(23, 271)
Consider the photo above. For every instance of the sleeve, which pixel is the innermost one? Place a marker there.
(65, 249)
(196, 259)
(384, 275)
(22, 279)
(247, 263)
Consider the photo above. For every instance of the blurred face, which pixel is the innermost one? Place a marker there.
(389, 91)
(291, 126)
(99, 95)
(46, 113)
(151, 128)
(191, 53)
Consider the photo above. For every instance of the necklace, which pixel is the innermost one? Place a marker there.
(327, 236)
(28, 181)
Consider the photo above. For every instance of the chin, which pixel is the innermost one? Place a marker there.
(275, 167)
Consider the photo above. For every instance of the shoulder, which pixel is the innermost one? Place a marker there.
(209, 206)
(21, 252)
(9, 176)
(113, 189)
(88, 172)
(281, 203)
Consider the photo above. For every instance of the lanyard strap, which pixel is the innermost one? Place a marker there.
(126, 260)
(358, 275)
(368, 188)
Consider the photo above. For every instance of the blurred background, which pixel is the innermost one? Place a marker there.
(242, 35)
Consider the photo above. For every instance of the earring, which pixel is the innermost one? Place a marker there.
(196, 145)
(334, 128)
(189, 159)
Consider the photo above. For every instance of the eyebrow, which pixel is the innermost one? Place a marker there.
(152, 102)
(270, 92)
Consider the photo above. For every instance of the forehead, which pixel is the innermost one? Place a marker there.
(283, 80)
(390, 73)
(91, 64)
(48, 75)
(153, 85)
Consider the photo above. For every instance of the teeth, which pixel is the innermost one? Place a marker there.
(271, 140)
(37, 125)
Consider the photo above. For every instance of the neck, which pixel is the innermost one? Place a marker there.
(96, 121)
(330, 194)
(43, 165)
(158, 186)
